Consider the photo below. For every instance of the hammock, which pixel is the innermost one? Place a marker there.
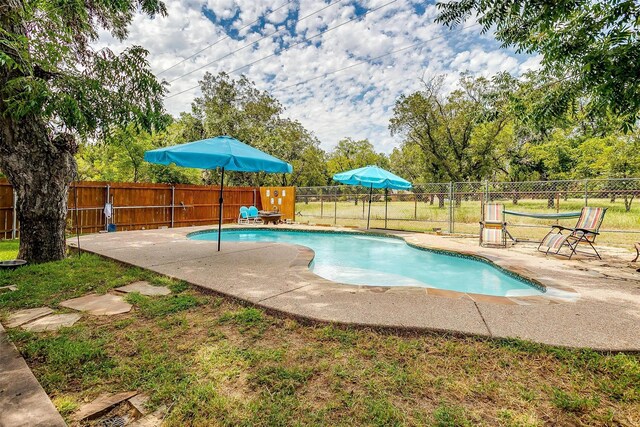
(543, 215)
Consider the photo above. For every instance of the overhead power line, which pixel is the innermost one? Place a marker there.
(368, 60)
(224, 38)
(253, 43)
(313, 37)
(292, 45)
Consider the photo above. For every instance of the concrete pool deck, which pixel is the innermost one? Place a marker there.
(589, 303)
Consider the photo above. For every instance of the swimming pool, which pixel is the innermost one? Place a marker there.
(361, 259)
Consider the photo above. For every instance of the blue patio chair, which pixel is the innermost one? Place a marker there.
(243, 217)
(254, 215)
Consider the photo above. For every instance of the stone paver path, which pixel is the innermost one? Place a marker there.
(139, 401)
(52, 322)
(21, 317)
(151, 420)
(98, 305)
(101, 405)
(145, 288)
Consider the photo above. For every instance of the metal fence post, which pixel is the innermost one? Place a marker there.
(335, 205)
(486, 191)
(106, 220)
(14, 215)
(450, 207)
(386, 198)
(586, 192)
(173, 204)
(321, 204)
(415, 205)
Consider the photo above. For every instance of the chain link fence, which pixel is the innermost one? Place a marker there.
(456, 207)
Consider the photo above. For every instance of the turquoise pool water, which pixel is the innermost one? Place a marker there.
(383, 261)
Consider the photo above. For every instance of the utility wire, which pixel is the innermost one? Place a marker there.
(368, 60)
(225, 37)
(292, 45)
(253, 43)
(313, 37)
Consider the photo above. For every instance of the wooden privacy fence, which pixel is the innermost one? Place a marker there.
(139, 206)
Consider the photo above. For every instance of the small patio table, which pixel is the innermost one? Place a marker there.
(268, 217)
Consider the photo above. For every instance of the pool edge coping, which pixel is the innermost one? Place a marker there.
(306, 255)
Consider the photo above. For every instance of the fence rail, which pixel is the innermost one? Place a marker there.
(456, 207)
(137, 206)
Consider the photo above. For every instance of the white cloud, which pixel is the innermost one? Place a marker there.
(357, 102)
(531, 64)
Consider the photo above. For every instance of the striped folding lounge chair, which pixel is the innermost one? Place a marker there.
(493, 228)
(585, 232)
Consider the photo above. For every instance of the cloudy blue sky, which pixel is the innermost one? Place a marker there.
(300, 44)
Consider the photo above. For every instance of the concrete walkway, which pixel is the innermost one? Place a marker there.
(23, 402)
(604, 314)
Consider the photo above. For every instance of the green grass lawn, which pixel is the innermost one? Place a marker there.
(215, 362)
(8, 249)
(422, 216)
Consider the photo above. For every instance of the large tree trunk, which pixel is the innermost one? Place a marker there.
(40, 168)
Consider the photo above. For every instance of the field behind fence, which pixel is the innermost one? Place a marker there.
(138, 206)
(456, 208)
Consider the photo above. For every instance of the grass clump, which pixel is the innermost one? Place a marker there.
(249, 319)
(334, 333)
(383, 413)
(65, 405)
(450, 416)
(572, 402)
(162, 306)
(74, 358)
(280, 379)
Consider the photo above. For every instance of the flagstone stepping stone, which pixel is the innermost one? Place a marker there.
(139, 401)
(21, 317)
(152, 420)
(106, 304)
(52, 322)
(145, 288)
(9, 288)
(102, 404)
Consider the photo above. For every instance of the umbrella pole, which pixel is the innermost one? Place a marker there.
(220, 201)
(369, 214)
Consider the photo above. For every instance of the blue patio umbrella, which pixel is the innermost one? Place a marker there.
(373, 177)
(222, 152)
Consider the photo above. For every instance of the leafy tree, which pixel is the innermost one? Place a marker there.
(121, 157)
(408, 162)
(590, 49)
(54, 87)
(459, 134)
(352, 154)
(291, 141)
(185, 129)
(237, 108)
